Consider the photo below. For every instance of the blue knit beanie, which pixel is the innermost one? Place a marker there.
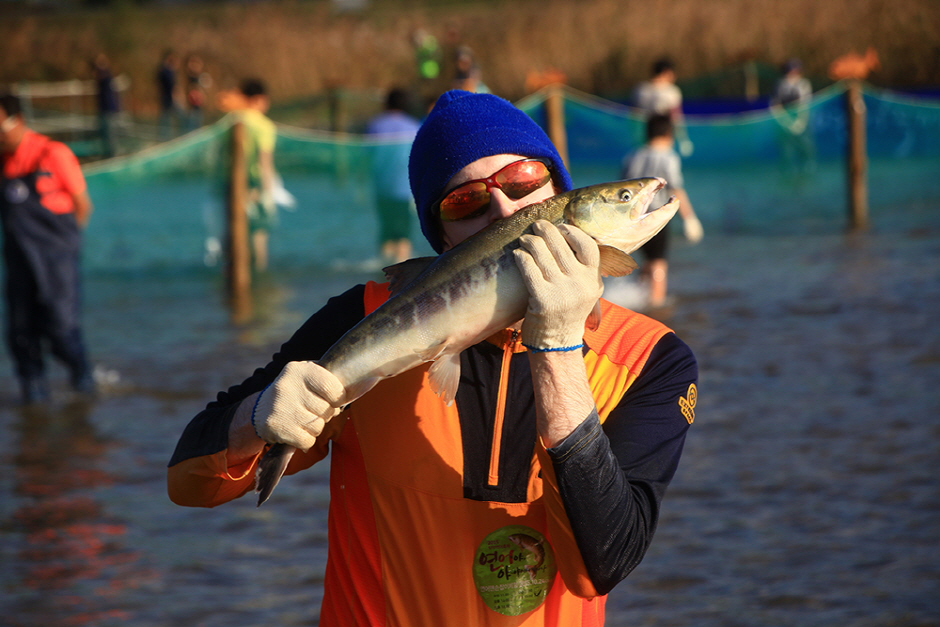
(461, 128)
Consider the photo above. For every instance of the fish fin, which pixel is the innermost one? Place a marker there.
(270, 470)
(615, 262)
(401, 274)
(353, 392)
(444, 376)
(594, 318)
(433, 353)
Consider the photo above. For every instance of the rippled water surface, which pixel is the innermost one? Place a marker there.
(807, 495)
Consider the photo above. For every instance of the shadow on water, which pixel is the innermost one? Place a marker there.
(72, 558)
(87, 533)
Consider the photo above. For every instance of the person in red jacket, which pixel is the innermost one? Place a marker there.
(531, 496)
(44, 205)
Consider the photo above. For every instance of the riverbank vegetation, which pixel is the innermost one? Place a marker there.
(601, 46)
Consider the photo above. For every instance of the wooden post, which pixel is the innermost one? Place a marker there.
(857, 157)
(555, 120)
(337, 105)
(751, 81)
(239, 254)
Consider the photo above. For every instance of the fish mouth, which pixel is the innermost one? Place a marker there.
(673, 202)
(671, 205)
(653, 190)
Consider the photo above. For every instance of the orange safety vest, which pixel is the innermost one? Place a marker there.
(406, 548)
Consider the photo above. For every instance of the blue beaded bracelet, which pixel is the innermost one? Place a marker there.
(255, 409)
(560, 349)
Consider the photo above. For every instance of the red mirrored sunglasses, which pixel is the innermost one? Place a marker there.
(472, 199)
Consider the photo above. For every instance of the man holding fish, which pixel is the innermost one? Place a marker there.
(501, 438)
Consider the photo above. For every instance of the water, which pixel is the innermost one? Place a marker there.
(88, 534)
(807, 494)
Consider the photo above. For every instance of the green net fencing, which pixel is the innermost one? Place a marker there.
(161, 209)
(775, 170)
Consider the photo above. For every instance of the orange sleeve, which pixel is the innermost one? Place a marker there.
(65, 182)
(208, 481)
(64, 166)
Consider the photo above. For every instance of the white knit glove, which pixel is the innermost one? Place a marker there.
(297, 405)
(693, 229)
(560, 267)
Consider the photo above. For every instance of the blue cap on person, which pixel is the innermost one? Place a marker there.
(461, 128)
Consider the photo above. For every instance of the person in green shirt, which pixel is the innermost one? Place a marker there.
(260, 138)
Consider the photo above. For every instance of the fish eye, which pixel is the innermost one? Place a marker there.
(626, 195)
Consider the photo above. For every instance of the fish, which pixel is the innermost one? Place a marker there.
(533, 546)
(440, 306)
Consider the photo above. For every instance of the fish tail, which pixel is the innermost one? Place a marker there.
(270, 470)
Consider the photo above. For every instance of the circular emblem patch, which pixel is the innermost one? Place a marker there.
(514, 570)
(16, 192)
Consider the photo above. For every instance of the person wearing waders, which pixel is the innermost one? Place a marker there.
(44, 205)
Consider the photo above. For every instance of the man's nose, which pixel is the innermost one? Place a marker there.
(501, 205)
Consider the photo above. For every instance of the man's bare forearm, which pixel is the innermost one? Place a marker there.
(562, 394)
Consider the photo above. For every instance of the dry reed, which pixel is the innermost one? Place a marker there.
(303, 48)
